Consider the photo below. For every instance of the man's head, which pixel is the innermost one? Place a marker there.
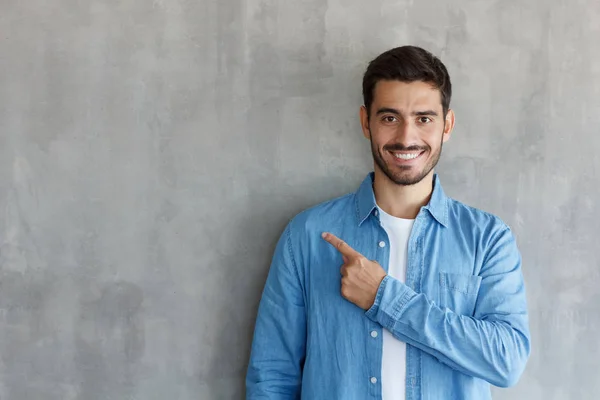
(406, 113)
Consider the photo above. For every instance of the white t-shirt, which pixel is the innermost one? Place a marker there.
(393, 367)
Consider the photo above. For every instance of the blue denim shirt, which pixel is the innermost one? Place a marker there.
(462, 310)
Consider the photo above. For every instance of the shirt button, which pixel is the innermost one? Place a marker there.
(376, 212)
(382, 244)
(373, 334)
(373, 380)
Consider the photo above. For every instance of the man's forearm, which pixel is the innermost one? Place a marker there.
(494, 348)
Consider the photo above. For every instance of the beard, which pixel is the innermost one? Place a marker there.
(403, 175)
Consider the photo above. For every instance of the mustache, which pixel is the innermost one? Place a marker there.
(399, 147)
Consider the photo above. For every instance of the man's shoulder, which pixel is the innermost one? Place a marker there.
(467, 216)
(325, 214)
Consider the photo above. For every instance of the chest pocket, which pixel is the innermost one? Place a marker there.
(458, 292)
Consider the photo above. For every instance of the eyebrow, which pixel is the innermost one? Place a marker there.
(425, 113)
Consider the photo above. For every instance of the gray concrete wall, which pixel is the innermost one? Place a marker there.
(152, 151)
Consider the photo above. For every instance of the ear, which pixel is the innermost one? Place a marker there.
(364, 122)
(448, 125)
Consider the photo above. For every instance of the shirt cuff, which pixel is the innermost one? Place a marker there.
(390, 300)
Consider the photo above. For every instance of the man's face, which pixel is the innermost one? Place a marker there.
(406, 128)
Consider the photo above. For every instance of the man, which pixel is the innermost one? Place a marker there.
(395, 291)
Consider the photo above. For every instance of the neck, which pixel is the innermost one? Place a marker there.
(401, 201)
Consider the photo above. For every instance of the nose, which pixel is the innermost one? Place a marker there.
(406, 134)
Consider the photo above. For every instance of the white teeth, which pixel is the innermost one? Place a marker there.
(407, 156)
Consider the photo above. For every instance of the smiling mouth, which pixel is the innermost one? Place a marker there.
(407, 156)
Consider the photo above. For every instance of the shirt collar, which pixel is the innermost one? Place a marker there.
(365, 200)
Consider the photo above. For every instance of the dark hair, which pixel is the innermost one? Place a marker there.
(407, 64)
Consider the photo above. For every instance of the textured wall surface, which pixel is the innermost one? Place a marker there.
(151, 152)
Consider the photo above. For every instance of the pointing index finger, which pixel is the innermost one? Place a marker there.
(340, 245)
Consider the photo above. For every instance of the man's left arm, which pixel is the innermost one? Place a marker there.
(493, 344)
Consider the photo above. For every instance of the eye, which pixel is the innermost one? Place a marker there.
(425, 120)
(389, 119)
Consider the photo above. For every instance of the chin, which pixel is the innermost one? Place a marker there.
(407, 178)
